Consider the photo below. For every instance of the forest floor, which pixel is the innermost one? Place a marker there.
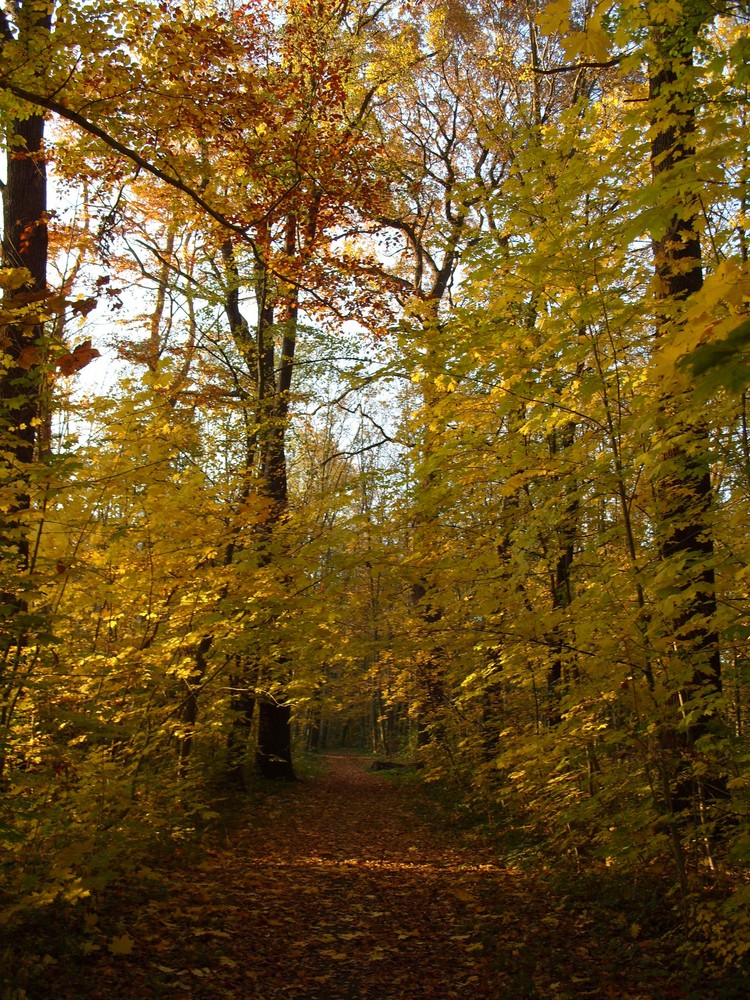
(348, 886)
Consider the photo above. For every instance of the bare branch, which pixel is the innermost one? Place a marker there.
(575, 67)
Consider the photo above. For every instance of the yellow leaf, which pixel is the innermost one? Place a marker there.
(555, 17)
(462, 895)
(404, 935)
(122, 945)
(597, 44)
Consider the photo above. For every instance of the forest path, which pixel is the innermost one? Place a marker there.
(342, 889)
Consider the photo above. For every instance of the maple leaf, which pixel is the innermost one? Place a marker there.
(82, 307)
(29, 357)
(121, 945)
(77, 359)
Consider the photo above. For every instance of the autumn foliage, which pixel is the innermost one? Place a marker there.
(374, 375)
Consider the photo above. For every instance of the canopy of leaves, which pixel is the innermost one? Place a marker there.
(389, 390)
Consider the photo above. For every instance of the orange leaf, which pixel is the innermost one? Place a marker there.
(77, 359)
(29, 357)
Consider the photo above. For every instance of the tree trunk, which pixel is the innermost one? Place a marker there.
(266, 459)
(274, 754)
(188, 711)
(561, 587)
(684, 488)
(24, 245)
(242, 704)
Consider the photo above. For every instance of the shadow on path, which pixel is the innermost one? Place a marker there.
(340, 889)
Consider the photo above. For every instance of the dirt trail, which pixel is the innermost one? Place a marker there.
(341, 890)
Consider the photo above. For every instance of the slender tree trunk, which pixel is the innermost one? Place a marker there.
(274, 754)
(315, 726)
(561, 586)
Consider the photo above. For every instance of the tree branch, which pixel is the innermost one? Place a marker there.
(38, 100)
(615, 61)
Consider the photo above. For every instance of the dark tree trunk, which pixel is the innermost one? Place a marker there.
(24, 245)
(430, 672)
(684, 488)
(188, 712)
(274, 754)
(266, 470)
(561, 586)
(493, 714)
(242, 703)
(314, 729)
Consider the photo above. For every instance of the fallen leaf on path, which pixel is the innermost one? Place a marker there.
(122, 945)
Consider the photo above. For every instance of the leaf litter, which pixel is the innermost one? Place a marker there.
(342, 888)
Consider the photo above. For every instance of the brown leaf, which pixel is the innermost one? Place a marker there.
(26, 298)
(29, 357)
(77, 359)
(82, 307)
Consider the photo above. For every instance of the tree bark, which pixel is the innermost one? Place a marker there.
(274, 754)
(684, 489)
(188, 712)
(271, 376)
(24, 245)
(560, 583)
(242, 703)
